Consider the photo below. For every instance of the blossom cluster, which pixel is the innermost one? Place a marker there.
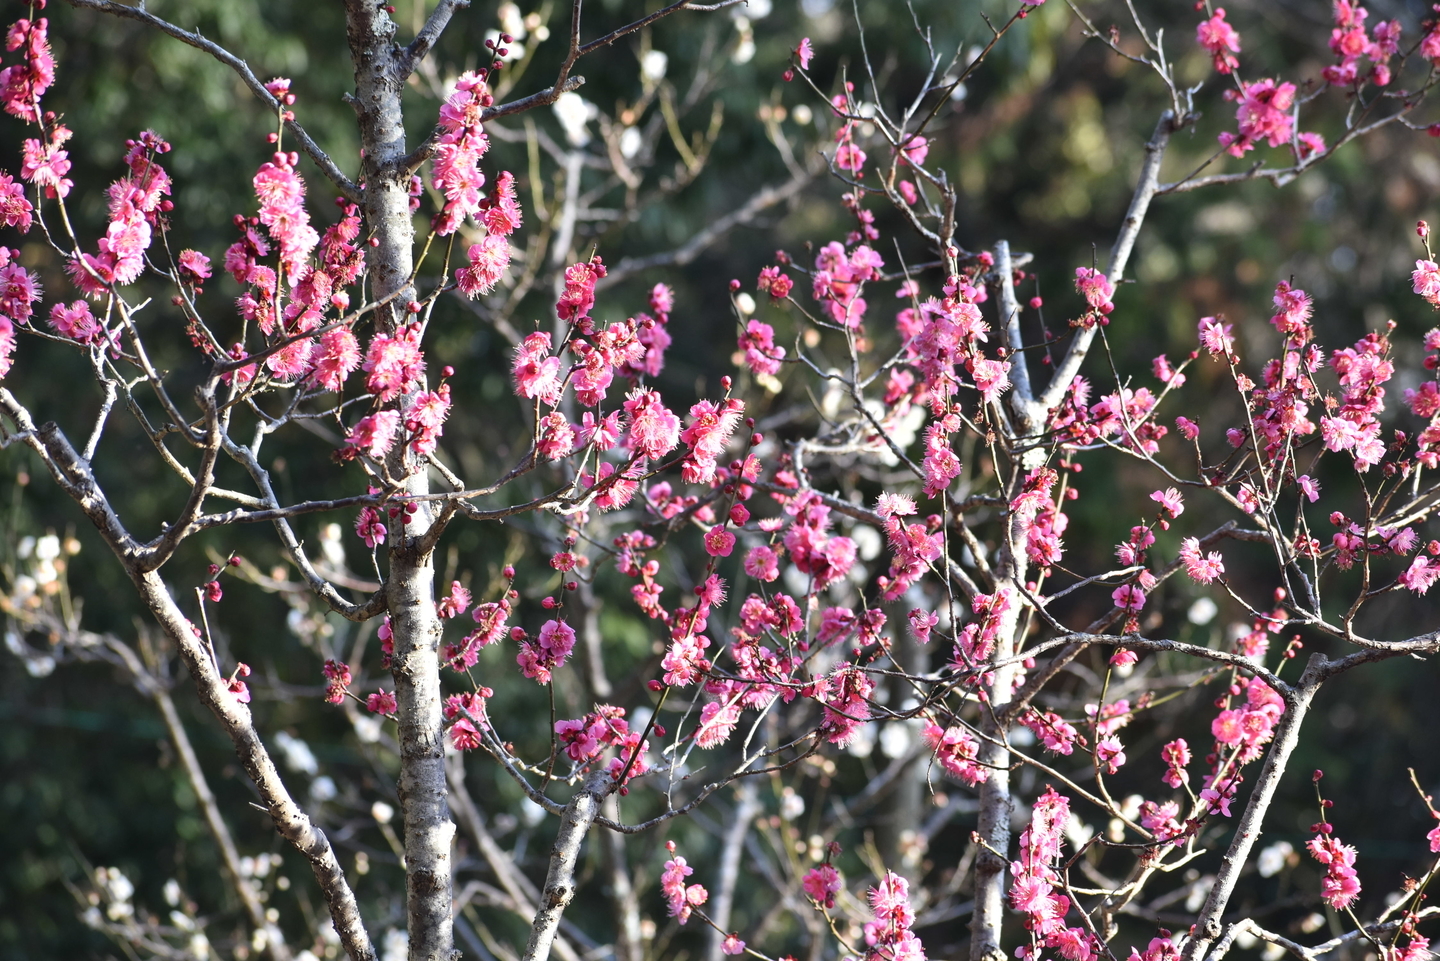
(680, 899)
(1033, 890)
(889, 936)
(584, 739)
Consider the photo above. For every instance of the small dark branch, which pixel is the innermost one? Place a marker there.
(377, 603)
(563, 81)
(644, 22)
(115, 651)
(425, 40)
(542, 99)
(241, 516)
(230, 855)
(72, 472)
(696, 245)
(156, 553)
(579, 814)
(348, 188)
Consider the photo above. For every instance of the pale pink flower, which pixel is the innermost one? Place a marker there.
(762, 564)
(805, 53)
(537, 373)
(1426, 278)
(1169, 501)
(1421, 574)
(654, 430)
(488, 261)
(1203, 570)
(1216, 337)
(1218, 37)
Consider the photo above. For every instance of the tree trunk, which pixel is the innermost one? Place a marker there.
(410, 587)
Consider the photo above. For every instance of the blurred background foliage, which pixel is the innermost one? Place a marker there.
(1045, 142)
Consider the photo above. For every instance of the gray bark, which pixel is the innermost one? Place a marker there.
(560, 879)
(1252, 822)
(290, 820)
(996, 803)
(747, 806)
(380, 68)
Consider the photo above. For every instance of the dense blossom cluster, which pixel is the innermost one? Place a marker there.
(955, 750)
(1033, 890)
(680, 899)
(889, 936)
(584, 739)
(810, 626)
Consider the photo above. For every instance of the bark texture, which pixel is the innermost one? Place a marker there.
(380, 69)
(560, 879)
(1247, 832)
(996, 803)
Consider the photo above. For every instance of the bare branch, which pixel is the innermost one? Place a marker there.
(520, 888)
(425, 40)
(347, 187)
(1119, 256)
(575, 823)
(712, 232)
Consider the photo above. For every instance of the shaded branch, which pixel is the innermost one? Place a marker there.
(348, 187)
(425, 40)
(697, 244)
